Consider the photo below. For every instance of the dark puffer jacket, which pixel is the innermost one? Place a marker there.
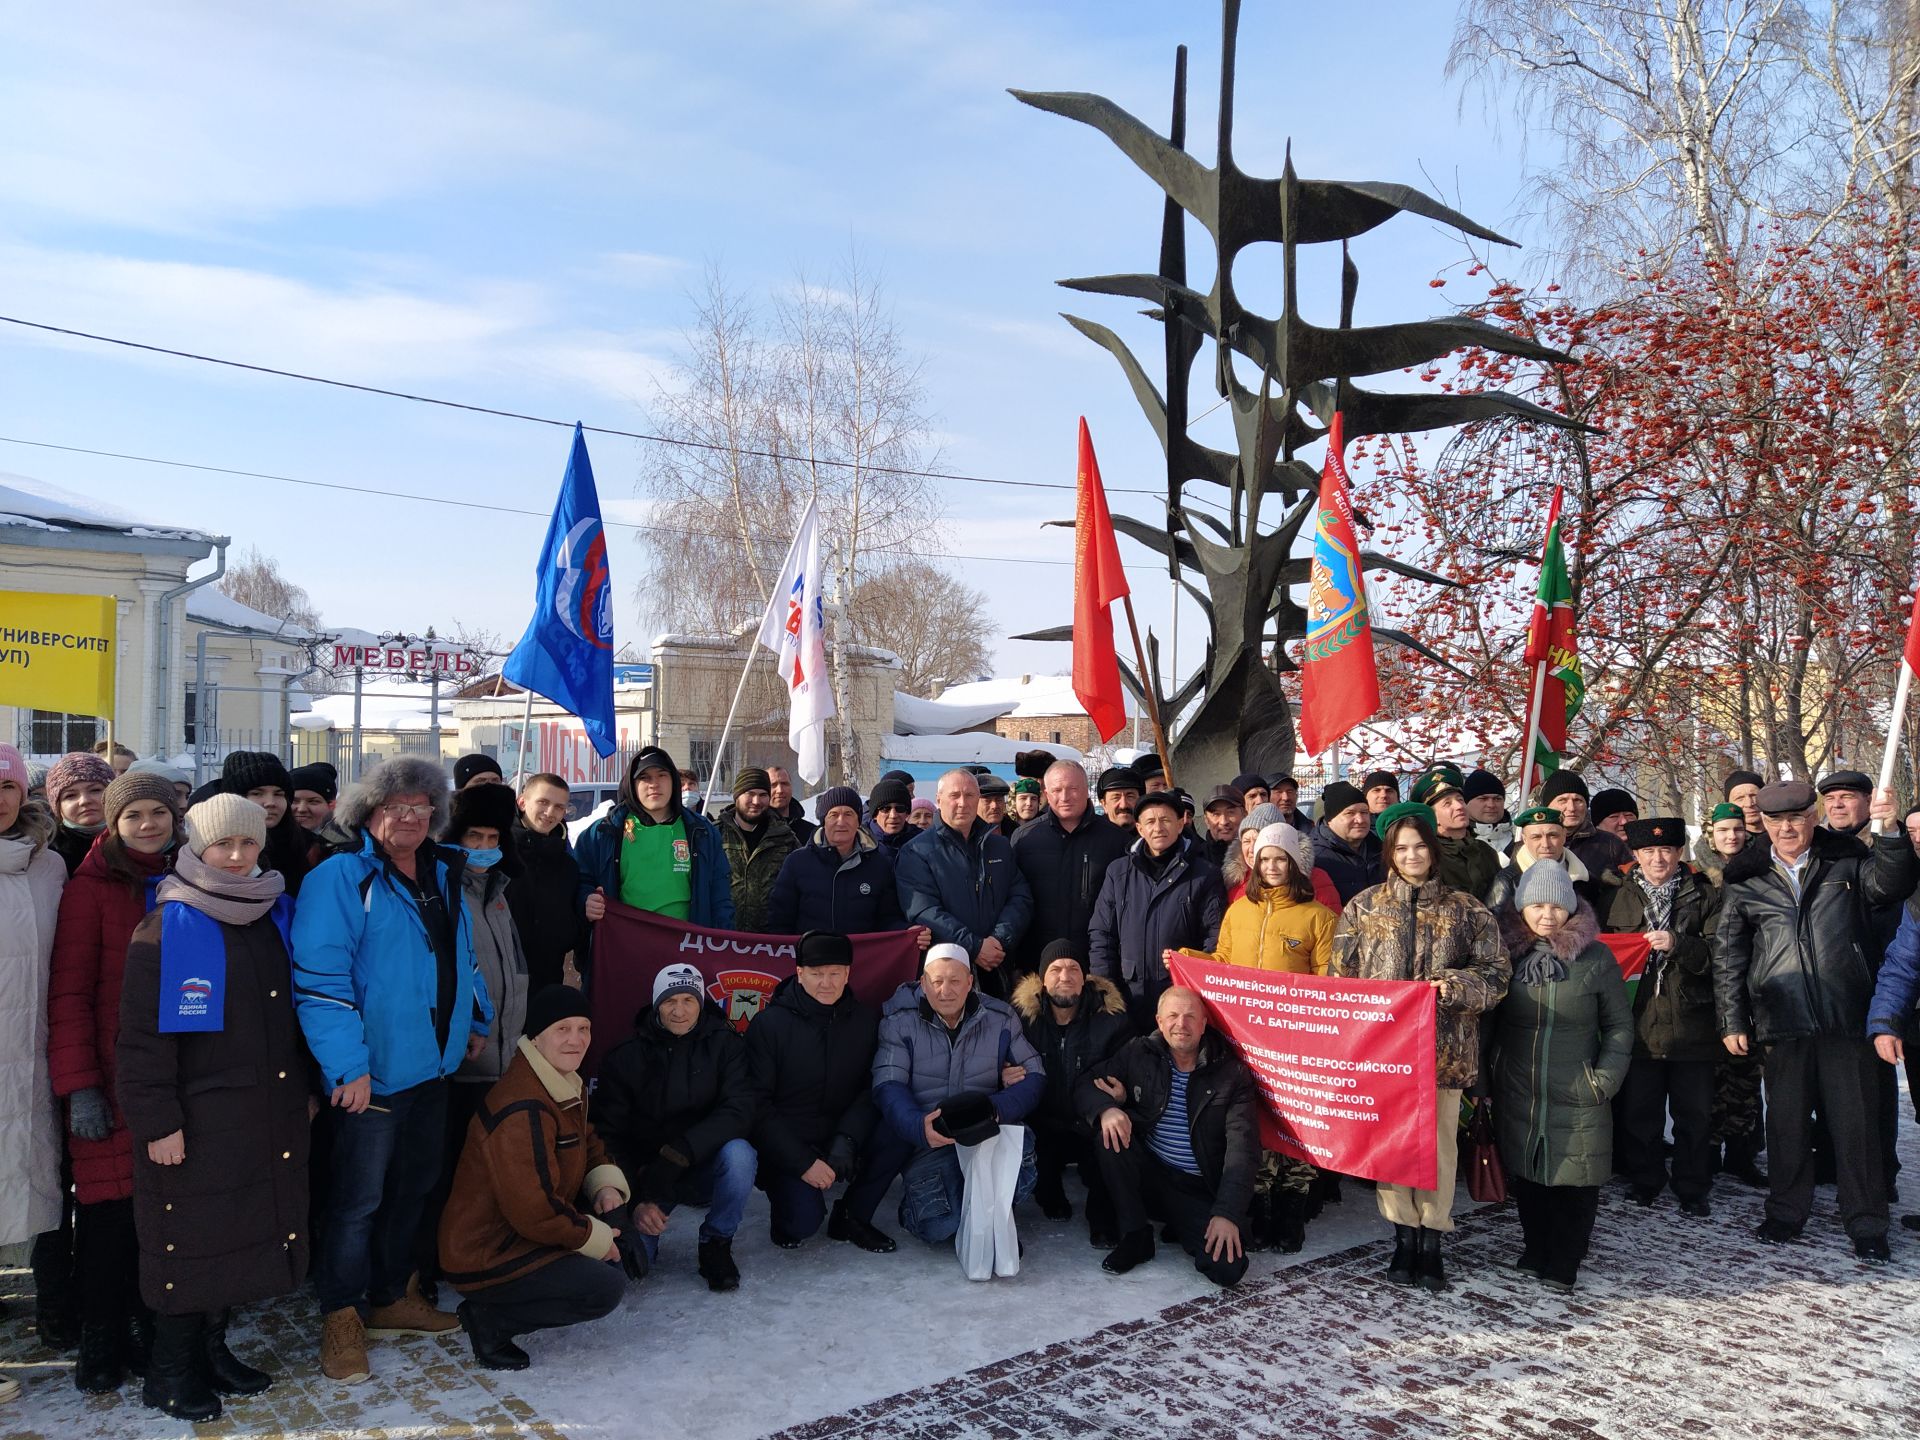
(1097, 1031)
(1065, 870)
(1352, 868)
(228, 1225)
(819, 889)
(812, 1072)
(1784, 970)
(1561, 1052)
(1221, 1118)
(1673, 1006)
(965, 889)
(1140, 915)
(546, 905)
(665, 1103)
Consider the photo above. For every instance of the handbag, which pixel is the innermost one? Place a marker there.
(1486, 1176)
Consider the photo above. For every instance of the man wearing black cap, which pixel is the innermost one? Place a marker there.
(1251, 788)
(1075, 1021)
(1602, 854)
(476, 769)
(1845, 795)
(993, 804)
(1161, 895)
(1790, 974)
(652, 853)
(1064, 854)
(1382, 789)
(1611, 810)
(1675, 1037)
(810, 1054)
(887, 810)
(1119, 792)
(1224, 814)
(1487, 808)
(1344, 844)
(1153, 774)
(757, 841)
(1283, 791)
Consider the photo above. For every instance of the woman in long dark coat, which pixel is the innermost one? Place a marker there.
(213, 1081)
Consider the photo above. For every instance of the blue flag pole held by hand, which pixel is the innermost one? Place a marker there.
(567, 653)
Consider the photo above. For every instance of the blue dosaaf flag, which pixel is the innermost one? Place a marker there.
(567, 653)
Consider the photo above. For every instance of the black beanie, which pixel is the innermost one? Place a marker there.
(1612, 802)
(1483, 782)
(318, 778)
(551, 1004)
(901, 777)
(1339, 796)
(889, 792)
(468, 766)
(246, 770)
(823, 947)
(1564, 782)
(1061, 950)
(1739, 778)
(1381, 777)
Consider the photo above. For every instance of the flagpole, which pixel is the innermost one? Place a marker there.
(753, 647)
(1892, 751)
(526, 724)
(1149, 686)
(1534, 706)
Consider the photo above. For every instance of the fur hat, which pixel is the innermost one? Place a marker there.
(224, 816)
(1545, 882)
(488, 807)
(1246, 781)
(1032, 764)
(1663, 830)
(246, 770)
(70, 772)
(823, 947)
(134, 786)
(402, 776)
(1147, 766)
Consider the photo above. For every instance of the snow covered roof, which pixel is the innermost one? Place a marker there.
(32, 504)
(975, 747)
(1020, 696)
(386, 711)
(212, 607)
(914, 716)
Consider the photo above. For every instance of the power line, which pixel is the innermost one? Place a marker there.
(547, 420)
(387, 494)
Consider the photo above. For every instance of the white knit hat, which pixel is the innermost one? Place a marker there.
(1283, 837)
(224, 817)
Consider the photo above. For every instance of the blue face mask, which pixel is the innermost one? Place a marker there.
(483, 859)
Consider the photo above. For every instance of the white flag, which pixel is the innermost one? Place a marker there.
(794, 628)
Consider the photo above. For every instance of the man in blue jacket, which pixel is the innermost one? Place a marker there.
(390, 1002)
(941, 1040)
(1161, 895)
(958, 878)
(841, 881)
(652, 853)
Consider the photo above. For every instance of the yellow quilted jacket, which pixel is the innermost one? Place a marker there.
(1275, 932)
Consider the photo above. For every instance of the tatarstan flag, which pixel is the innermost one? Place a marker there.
(1098, 581)
(1633, 953)
(1551, 648)
(1339, 686)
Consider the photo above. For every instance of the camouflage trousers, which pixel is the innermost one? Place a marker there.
(1739, 1113)
(1282, 1175)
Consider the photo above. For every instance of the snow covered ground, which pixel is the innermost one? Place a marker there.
(1680, 1327)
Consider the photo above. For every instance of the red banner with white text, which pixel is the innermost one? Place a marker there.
(1345, 1067)
(631, 946)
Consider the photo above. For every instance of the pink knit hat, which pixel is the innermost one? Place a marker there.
(13, 766)
(79, 768)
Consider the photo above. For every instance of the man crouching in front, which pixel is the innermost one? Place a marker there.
(1178, 1135)
(516, 1237)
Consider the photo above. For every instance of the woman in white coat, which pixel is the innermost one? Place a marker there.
(31, 878)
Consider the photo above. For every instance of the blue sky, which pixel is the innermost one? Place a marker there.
(506, 204)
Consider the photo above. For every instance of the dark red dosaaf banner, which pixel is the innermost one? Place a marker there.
(1345, 1066)
(630, 947)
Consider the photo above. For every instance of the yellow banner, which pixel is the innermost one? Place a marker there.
(57, 652)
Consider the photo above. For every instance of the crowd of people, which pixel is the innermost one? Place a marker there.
(266, 1033)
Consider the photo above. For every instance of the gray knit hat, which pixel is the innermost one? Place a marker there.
(1262, 816)
(1545, 882)
(223, 817)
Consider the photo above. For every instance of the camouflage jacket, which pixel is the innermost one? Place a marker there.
(1395, 932)
(755, 870)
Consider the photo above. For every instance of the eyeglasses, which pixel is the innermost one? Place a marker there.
(407, 812)
(891, 810)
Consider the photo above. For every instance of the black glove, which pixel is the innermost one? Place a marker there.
(661, 1178)
(839, 1157)
(88, 1115)
(633, 1255)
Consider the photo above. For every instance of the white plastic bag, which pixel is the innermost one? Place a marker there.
(988, 1243)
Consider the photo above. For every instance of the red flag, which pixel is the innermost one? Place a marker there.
(1339, 686)
(1098, 581)
(1912, 656)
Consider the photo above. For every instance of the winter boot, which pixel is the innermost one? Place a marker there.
(1289, 1222)
(225, 1373)
(1260, 1222)
(174, 1382)
(842, 1225)
(139, 1338)
(1051, 1196)
(1429, 1271)
(491, 1348)
(717, 1267)
(1135, 1248)
(1400, 1268)
(102, 1363)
